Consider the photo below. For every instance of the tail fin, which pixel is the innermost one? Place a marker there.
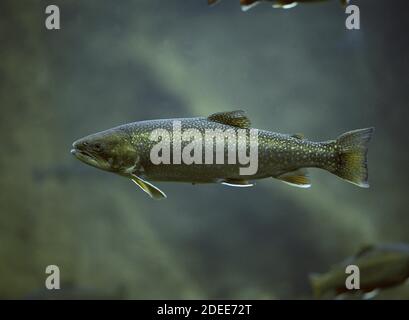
(353, 149)
(316, 285)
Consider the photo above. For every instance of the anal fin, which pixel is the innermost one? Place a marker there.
(149, 188)
(371, 294)
(298, 178)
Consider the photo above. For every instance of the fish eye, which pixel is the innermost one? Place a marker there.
(97, 146)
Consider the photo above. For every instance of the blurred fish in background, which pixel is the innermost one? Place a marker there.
(382, 266)
(282, 4)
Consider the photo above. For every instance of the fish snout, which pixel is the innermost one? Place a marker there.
(74, 150)
(79, 146)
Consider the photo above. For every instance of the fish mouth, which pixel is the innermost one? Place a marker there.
(85, 157)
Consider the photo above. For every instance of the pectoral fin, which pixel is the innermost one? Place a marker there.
(237, 183)
(149, 188)
(212, 2)
(371, 294)
(298, 178)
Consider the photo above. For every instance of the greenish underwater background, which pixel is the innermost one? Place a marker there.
(115, 62)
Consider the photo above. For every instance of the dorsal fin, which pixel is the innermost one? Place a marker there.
(231, 118)
(364, 250)
(298, 136)
(298, 178)
(154, 192)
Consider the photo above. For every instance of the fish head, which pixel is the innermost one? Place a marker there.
(110, 150)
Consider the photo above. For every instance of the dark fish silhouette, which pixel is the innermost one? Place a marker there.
(283, 4)
(381, 266)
